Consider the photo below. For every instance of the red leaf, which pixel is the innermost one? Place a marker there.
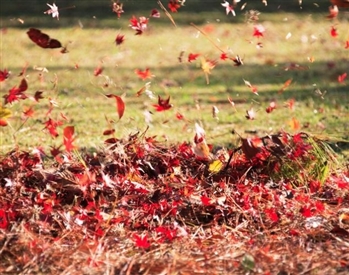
(155, 13)
(271, 107)
(4, 75)
(139, 26)
(223, 56)
(3, 219)
(15, 94)
(205, 200)
(333, 12)
(173, 5)
(117, 8)
(334, 32)
(119, 39)
(120, 105)
(38, 96)
(346, 44)
(109, 132)
(238, 61)
(42, 39)
(306, 212)
(51, 126)
(98, 71)
(286, 84)
(193, 56)
(342, 77)
(258, 31)
(68, 138)
(163, 104)
(142, 241)
(28, 112)
(272, 214)
(144, 74)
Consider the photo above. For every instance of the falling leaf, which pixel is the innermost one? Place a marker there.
(285, 86)
(224, 56)
(250, 114)
(342, 77)
(15, 94)
(4, 115)
(238, 61)
(215, 112)
(333, 12)
(254, 89)
(155, 13)
(68, 138)
(4, 75)
(271, 107)
(193, 56)
(163, 104)
(258, 31)
(120, 105)
(207, 66)
(117, 8)
(139, 25)
(333, 32)
(119, 39)
(228, 8)
(144, 74)
(173, 5)
(98, 70)
(294, 124)
(53, 10)
(43, 40)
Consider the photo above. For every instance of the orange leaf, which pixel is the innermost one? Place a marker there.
(68, 138)
(286, 84)
(294, 124)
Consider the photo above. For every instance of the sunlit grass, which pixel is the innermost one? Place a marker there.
(321, 103)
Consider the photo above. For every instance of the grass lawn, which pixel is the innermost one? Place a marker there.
(147, 203)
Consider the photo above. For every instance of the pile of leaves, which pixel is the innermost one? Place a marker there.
(141, 207)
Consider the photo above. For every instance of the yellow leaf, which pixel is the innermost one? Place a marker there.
(215, 166)
(5, 113)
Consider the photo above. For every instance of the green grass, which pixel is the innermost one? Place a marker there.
(80, 95)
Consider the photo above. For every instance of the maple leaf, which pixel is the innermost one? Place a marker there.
(205, 200)
(38, 96)
(342, 77)
(163, 104)
(139, 26)
(119, 39)
(144, 74)
(4, 115)
(333, 32)
(258, 31)
(238, 61)
(201, 148)
(271, 107)
(272, 214)
(193, 56)
(286, 84)
(68, 138)
(254, 89)
(4, 75)
(53, 10)
(341, 3)
(15, 94)
(250, 114)
(294, 124)
(228, 8)
(290, 104)
(120, 104)
(223, 56)
(117, 8)
(155, 13)
(3, 219)
(98, 70)
(141, 241)
(346, 44)
(333, 12)
(207, 66)
(173, 5)
(28, 112)
(51, 125)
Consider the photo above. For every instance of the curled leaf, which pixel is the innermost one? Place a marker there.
(120, 104)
